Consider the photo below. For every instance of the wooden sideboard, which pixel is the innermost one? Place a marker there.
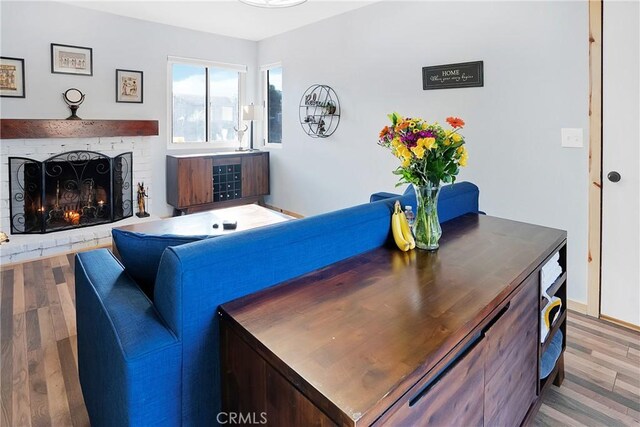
(450, 337)
(209, 181)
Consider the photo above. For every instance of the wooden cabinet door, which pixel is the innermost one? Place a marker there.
(195, 181)
(511, 359)
(255, 175)
(451, 398)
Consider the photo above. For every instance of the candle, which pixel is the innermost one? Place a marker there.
(100, 203)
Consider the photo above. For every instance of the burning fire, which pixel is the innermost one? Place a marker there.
(72, 216)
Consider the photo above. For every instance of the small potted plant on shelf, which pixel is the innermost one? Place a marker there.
(330, 108)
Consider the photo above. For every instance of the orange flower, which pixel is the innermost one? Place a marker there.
(384, 131)
(402, 125)
(455, 122)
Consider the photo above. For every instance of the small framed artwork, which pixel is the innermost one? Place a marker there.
(11, 77)
(129, 86)
(71, 60)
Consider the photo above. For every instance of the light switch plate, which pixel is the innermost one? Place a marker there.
(572, 137)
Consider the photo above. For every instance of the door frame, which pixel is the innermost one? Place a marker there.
(595, 159)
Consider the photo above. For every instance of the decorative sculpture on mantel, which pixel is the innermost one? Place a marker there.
(73, 97)
(142, 209)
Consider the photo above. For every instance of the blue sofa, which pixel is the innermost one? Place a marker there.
(155, 362)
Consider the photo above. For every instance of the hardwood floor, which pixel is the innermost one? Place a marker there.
(38, 380)
(38, 368)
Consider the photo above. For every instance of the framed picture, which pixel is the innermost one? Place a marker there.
(71, 60)
(129, 86)
(11, 77)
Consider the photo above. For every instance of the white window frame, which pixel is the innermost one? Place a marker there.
(265, 96)
(242, 93)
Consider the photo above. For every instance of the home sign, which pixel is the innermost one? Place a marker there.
(450, 76)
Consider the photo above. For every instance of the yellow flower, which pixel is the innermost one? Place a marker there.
(396, 142)
(456, 138)
(412, 124)
(404, 152)
(418, 150)
(429, 143)
(406, 163)
(464, 155)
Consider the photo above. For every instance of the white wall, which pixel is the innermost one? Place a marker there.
(28, 29)
(536, 82)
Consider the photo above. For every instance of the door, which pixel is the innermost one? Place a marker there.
(620, 285)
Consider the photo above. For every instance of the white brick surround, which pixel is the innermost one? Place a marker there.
(31, 246)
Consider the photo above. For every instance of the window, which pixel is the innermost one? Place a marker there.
(205, 101)
(273, 104)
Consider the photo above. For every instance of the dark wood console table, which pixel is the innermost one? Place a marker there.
(389, 338)
(197, 182)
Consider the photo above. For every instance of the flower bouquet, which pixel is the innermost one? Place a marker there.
(429, 155)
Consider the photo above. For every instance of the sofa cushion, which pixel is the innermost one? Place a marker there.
(140, 254)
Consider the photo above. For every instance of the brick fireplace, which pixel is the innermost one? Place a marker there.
(80, 208)
(70, 190)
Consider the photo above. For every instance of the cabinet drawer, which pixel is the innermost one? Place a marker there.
(194, 181)
(511, 359)
(515, 330)
(454, 397)
(255, 175)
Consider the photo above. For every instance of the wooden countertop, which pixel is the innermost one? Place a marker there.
(230, 153)
(354, 336)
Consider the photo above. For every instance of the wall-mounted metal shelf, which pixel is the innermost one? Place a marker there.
(319, 111)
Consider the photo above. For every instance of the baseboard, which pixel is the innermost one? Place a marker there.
(577, 306)
(284, 211)
(620, 322)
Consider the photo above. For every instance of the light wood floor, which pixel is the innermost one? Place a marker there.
(39, 381)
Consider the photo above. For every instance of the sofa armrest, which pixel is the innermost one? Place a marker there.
(129, 361)
(382, 195)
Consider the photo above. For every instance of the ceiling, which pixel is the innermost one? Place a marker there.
(227, 17)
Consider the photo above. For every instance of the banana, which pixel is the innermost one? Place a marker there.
(396, 229)
(406, 230)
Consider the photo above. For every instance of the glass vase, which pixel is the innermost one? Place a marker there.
(426, 228)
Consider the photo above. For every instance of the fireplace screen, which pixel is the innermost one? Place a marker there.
(70, 190)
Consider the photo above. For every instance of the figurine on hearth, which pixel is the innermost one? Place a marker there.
(142, 193)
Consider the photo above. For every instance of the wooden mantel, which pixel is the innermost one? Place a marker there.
(37, 128)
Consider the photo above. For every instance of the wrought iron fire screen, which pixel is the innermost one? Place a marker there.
(69, 190)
